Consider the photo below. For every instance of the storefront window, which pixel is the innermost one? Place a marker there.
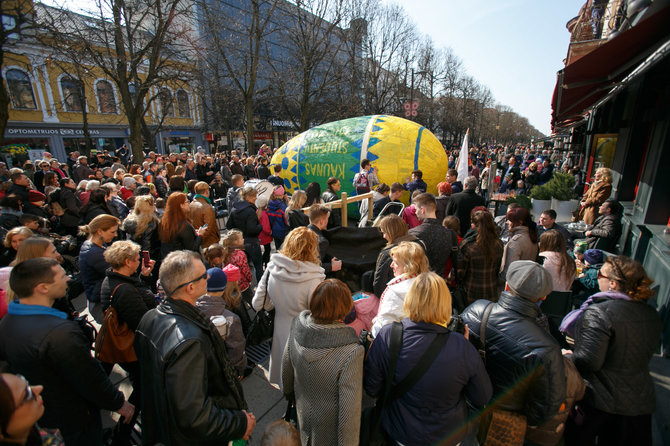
(179, 144)
(15, 151)
(76, 144)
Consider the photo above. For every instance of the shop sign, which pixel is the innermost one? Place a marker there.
(261, 136)
(179, 133)
(278, 123)
(209, 136)
(49, 132)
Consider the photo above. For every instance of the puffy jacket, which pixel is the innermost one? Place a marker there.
(244, 218)
(92, 265)
(133, 298)
(520, 355)
(614, 342)
(435, 408)
(296, 218)
(41, 344)
(185, 397)
(277, 218)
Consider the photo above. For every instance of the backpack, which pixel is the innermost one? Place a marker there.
(278, 223)
(361, 181)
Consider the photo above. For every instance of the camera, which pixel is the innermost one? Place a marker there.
(457, 324)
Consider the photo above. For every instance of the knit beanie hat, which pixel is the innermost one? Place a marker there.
(34, 196)
(529, 280)
(232, 273)
(217, 279)
(594, 256)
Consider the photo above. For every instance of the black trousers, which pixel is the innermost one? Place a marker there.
(602, 428)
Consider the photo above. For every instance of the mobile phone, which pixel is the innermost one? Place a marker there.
(204, 226)
(145, 258)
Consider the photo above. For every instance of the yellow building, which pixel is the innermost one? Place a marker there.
(46, 107)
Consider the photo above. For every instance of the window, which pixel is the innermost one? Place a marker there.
(166, 102)
(183, 107)
(105, 94)
(20, 89)
(72, 90)
(9, 24)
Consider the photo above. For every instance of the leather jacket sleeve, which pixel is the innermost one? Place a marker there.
(594, 338)
(547, 390)
(606, 228)
(196, 414)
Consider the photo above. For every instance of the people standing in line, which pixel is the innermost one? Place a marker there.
(287, 285)
(322, 368)
(190, 391)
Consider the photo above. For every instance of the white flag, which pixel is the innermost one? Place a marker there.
(463, 159)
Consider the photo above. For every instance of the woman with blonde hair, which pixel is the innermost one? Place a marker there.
(596, 195)
(617, 334)
(141, 226)
(408, 261)
(101, 231)
(286, 285)
(395, 231)
(435, 410)
(12, 241)
(296, 217)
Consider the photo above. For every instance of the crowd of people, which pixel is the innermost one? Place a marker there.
(465, 318)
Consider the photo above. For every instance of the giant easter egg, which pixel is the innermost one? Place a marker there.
(395, 146)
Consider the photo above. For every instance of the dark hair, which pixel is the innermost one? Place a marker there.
(277, 168)
(364, 162)
(176, 183)
(11, 201)
(331, 181)
(487, 234)
(452, 222)
(313, 191)
(425, 200)
(521, 217)
(330, 301)
(614, 206)
(27, 275)
(554, 241)
(395, 187)
(317, 211)
(382, 188)
(417, 173)
(452, 172)
(142, 190)
(27, 218)
(64, 181)
(550, 213)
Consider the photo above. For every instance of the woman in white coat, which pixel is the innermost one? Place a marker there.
(409, 260)
(287, 284)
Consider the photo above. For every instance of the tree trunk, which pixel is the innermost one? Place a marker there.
(135, 138)
(4, 110)
(249, 114)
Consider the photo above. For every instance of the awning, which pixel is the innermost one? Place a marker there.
(584, 82)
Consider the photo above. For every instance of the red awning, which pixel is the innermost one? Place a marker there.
(582, 83)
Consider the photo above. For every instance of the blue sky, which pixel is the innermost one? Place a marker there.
(515, 47)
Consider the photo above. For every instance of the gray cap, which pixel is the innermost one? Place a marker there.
(529, 280)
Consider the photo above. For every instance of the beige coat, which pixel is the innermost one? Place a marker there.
(593, 198)
(519, 247)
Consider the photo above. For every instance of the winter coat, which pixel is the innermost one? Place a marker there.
(286, 286)
(593, 198)
(201, 212)
(440, 244)
(265, 237)
(232, 197)
(409, 216)
(235, 343)
(605, 233)
(519, 247)
(391, 302)
(90, 211)
(552, 263)
(615, 340)
(441, 204)
(186, 398)
(9, 218)
(383, 271)
(323, 367)
(70, 205)
(132, 299)
(335, 218)
(296, 218)
(41, 344)
(277, 218)
(435, 408)
(418, 184)
(244, 218)
(92, 265)
(148, 241)
(478, 272)
(185, 238)
(523, 360)
(461, 204)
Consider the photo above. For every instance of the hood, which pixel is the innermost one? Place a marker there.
(376, 196)
(242, 204)
(288, 270)
(313, 341)
(274, 205)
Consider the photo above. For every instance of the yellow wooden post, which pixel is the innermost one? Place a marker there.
(344, 210)
(370, 209)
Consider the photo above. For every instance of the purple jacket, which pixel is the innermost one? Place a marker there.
(435, 408)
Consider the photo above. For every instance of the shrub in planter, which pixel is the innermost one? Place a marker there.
(523, 201)
(540, 193)
(561, 186)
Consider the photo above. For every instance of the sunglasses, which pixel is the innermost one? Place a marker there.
(197, 279)
(30, 396)
(602, 276)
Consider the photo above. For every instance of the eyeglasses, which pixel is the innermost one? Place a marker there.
(30, 396)
(602, 276)
(197, 279)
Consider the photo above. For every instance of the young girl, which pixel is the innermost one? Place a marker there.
(233, 297)
(265, 237)
(214, 256)
(233, 245)
(277, 216)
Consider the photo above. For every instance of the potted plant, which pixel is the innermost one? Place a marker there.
(541, 200)
(561, 187)
(521, 199)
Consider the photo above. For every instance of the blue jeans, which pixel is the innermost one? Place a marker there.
(253, 249)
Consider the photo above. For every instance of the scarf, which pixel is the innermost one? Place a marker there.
(230, 375)
(569, 323)
(202, 196)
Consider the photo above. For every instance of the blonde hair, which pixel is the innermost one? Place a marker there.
(23, 230)
(280, 433)
(228, 243)
(31, 248)
(232, 295)
(428, 300)
(297, 200)
(302, 245)
(605, 175)
(393, 226)
(117, 254)
(100, 223)
(143, 214)
(200, 187)
(411, 256)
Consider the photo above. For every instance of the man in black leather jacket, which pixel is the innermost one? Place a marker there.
(607, 228)
(190, 391)
(44, 345)
(523, 360)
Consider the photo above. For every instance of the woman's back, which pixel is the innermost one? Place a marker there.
(480, 271)
(562, 278)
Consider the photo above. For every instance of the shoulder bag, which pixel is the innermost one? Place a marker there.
(262, 326)
(372, 433)
(114, 342)
(498, 427)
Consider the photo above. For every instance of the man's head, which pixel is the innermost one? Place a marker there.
(452, 176)
(425, 206)
(548, 218)
(417, 174)
(512, 160)
(334, 184)
(237, 180)
(82, 160)
(276, 168)
(201, 188)
(396, 191)
(41, 277)
(470, 183)
(365, 164)
(183, 276)
(19, 178)
(610, 206)
(67, 183)
(318, 215)
(528, 280)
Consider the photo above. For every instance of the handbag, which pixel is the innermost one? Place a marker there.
(371, 433)
(262, 326)
(114, 342)
(498, 427)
